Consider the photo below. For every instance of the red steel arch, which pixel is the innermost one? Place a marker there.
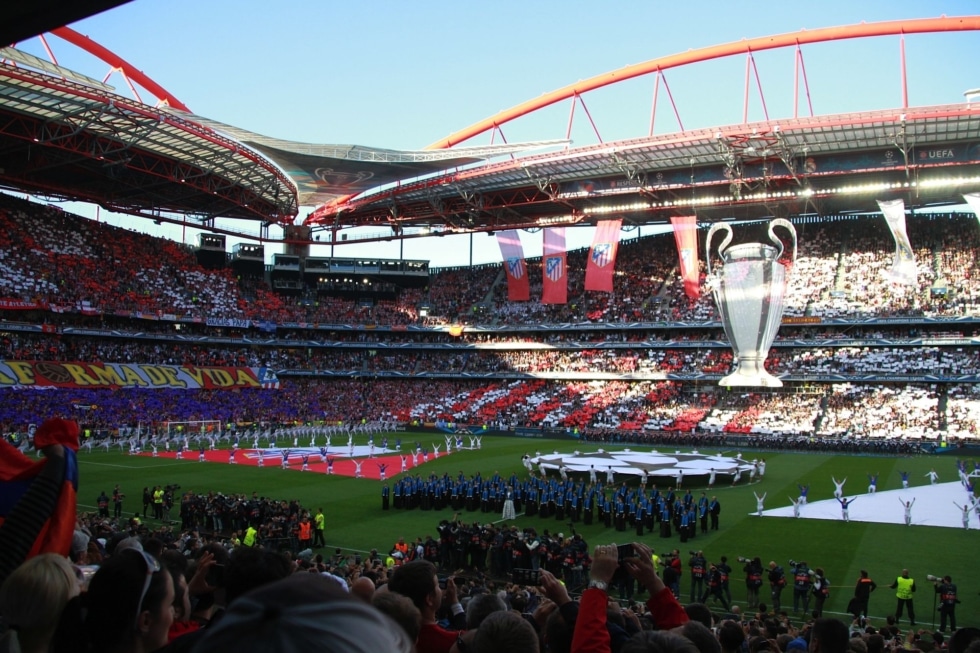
(745, 46)
(114, 60)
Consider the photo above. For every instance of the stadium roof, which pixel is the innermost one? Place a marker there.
(66, 135)
(65, 138)
(26, 18)
(327, 172)
(797, 165)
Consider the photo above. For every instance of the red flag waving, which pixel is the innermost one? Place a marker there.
(518, 286)
(554, 267)
(686, 237)
(18, 473)
(602, 256)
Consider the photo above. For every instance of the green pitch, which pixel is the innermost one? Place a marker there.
(355, 519)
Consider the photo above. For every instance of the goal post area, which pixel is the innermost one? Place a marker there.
(205, 427)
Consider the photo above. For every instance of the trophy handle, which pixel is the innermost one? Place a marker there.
(718, 226)
(788, 226)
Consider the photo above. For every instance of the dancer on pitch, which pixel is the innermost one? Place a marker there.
(838, 487)
(759, 503)
(796, 506)
(872, 483)
(804, 490)
(908, 510)
(966, 507)
(845, 505)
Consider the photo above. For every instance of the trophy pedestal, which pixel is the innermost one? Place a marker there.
(750, 372)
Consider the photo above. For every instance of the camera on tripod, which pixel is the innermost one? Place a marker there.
(743, 559)
(932, 578)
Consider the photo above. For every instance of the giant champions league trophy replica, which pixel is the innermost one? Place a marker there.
(749, 292)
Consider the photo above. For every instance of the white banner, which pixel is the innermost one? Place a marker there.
(973, 199)
(903, 270)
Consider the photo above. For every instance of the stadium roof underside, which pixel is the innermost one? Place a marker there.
(819, 165)
(327, 172)
(25, 18)
(70, 139)
(67, 136)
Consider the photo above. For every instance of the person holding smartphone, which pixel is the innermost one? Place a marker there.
(590, 632)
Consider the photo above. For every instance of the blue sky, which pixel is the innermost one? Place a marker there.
(403, 74)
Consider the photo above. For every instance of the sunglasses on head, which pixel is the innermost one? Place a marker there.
(152, 567)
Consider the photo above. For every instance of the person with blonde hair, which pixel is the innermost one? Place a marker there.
(32, 600)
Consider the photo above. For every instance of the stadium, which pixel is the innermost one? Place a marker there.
(420, 399)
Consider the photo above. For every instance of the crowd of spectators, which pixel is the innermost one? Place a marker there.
(583, 385)
(850, 411)
(529, 358)
(132, 585)
(52, 257)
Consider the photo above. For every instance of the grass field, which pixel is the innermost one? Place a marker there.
(355, 519)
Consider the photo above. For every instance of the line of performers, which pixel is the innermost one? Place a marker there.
(621, 507)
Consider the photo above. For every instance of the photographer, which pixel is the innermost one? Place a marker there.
(802, 584)
(946, 590)
(716, 587)
(821, 591)
(699, 569)
(777, 581)
(672, 572)
(753, 580)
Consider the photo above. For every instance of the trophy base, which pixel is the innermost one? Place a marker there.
(750, 378)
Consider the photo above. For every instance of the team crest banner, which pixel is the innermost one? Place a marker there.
(45, 374)
(518, 285)
(554, 270)
(686, 237)
(903, 270)
(602, 256)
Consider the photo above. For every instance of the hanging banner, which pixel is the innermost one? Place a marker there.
(973, 199)
(602, 256)
(554, 268)
(686, 237)
(903, 270)
(518, 286)
(46, 374)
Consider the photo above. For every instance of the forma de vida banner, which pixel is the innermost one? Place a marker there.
(44, 374)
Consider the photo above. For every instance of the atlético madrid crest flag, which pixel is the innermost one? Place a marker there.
(554, 268)
(686, 237)
(518, 286)
(602, 256)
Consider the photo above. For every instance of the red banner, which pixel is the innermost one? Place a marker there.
(18, 305)
(602, 256)
(686, 237)
(518, 286)
(554, 267)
